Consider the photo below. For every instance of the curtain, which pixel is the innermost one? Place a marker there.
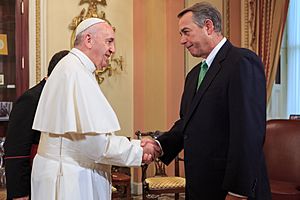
(293, 58)
(267, 21)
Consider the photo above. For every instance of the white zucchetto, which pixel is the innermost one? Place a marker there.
(87, 23)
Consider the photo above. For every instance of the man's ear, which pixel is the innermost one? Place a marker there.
(209, 26)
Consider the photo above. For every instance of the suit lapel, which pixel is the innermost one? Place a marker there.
(192, 89)
(209, 77)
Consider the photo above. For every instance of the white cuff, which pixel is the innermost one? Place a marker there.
(237, 195)
(161, 150)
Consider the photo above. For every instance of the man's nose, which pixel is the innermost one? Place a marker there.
(183, 40)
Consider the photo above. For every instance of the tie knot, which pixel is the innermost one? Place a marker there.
(204, 65)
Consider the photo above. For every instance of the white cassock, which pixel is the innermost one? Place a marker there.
(77, 145)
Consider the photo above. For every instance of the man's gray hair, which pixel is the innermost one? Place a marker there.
(203, 11)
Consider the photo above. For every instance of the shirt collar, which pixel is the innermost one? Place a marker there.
(86, 61)
(210, 58)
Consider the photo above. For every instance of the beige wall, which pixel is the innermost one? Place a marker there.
(158, 66)
(154, 53)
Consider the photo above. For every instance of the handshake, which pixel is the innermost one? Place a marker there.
(151, 150)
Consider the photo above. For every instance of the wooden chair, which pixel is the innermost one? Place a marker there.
(160, 183)
(282, 152)
(121, 181)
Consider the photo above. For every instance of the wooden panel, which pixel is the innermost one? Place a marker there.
(14, 67)
(22, 42)
(8, 62)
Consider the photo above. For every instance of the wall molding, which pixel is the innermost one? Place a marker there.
(37, 41)
(226, 19)
(249, 19)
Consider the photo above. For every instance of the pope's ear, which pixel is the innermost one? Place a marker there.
(88, 40)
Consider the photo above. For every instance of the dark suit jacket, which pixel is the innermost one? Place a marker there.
(222, 128)
(19, 139)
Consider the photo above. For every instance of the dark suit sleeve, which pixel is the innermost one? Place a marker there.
(19, 140)
(247, 113)
(171, 142)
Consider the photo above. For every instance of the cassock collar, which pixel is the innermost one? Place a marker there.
(86, 61)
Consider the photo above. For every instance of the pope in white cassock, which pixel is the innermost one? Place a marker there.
(78, 145)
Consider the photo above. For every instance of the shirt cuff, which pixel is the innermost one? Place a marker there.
(161, 150)
(237, 195)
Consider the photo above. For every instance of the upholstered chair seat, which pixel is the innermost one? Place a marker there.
(165, 182)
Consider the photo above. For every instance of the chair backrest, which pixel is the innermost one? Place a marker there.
(160, 168)
(282, 150)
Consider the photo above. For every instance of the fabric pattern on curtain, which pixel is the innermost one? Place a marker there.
(293, 58)
(267, 21)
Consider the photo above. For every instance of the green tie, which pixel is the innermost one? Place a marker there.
(203, 70)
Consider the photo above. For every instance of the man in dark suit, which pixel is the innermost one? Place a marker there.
(223, 118)
(21, 140)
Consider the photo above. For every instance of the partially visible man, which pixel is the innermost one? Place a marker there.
(222, 115)
(77, 124)
(21, 139)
